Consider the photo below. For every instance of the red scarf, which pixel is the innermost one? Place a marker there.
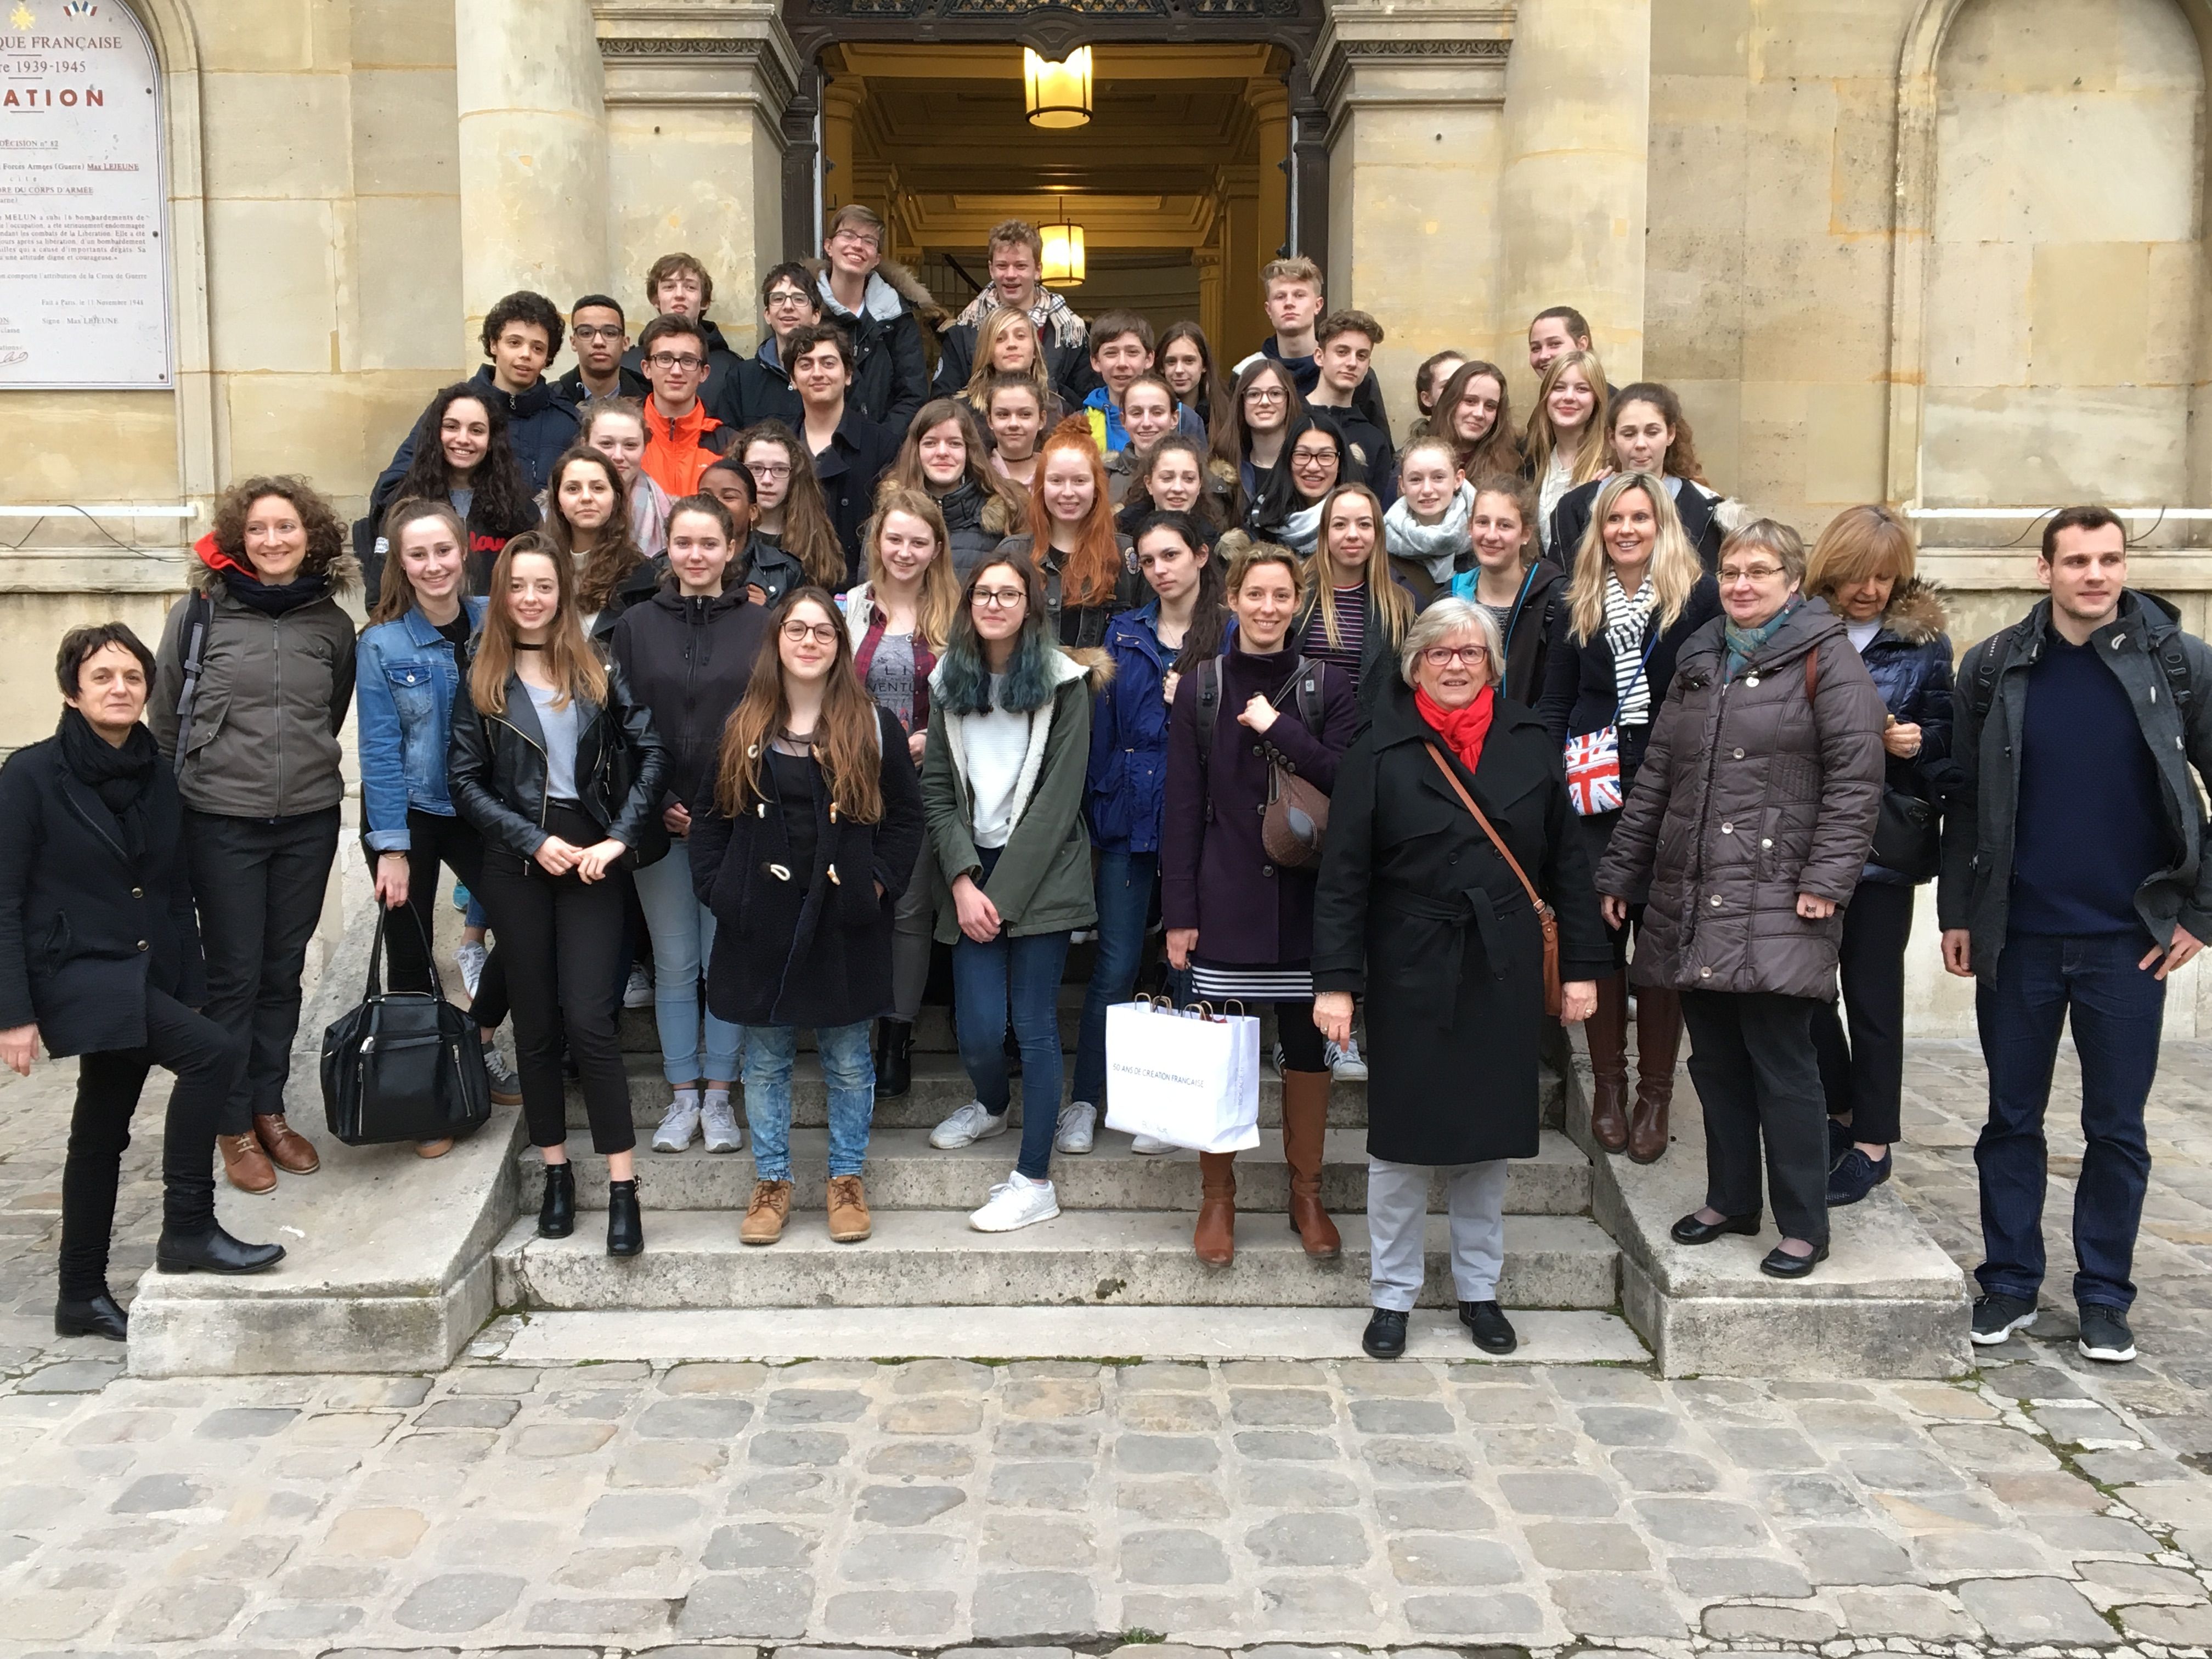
(1464, 729)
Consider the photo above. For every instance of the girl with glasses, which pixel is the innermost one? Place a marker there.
(794, 541)
(1253, 432)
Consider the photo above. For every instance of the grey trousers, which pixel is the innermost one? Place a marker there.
(912, 923)
(1397, 1217)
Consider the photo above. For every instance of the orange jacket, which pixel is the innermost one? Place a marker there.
(677, 452)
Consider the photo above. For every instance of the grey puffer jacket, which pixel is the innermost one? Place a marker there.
(1751, 793)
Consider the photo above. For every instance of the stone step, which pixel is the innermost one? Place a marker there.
(932, 1258)
(904, 1172)
(941, 1086)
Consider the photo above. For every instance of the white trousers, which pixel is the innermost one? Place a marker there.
(1397, 1217)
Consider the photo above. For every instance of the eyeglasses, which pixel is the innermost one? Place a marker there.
(799, 632)
(1443, 656)
(597, 331)
(1265, 394)
(1752, 572)
(685, 360)
(784, 298)
(999, 599)
(1313, 458)
(853, 235)
(768, 471)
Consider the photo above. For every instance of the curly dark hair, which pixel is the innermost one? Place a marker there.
(326, 536)
(524, 307)
(501, 506)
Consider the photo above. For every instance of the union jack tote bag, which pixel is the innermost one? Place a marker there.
(1594, 758)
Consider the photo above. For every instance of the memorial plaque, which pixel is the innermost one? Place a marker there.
(84, 258)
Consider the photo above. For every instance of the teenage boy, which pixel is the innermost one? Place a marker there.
(1293, 296)
(788, 303)
(875, 301)
(2073, 883)
(1120, 351)
(1343, 344)
(850, 451)
(1016, 255)
(600, 334)
(682, 439)
(1553, 333)
(678, 285)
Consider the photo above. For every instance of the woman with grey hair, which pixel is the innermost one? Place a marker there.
(1448, 829)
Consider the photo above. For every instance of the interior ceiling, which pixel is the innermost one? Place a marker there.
(1142, 171)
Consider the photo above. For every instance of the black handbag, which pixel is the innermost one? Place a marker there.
(403, 1065)
(1907, 838)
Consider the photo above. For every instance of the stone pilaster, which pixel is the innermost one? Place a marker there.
(1415, 99)
(1577, 160)
(696, 143)
(533, 152)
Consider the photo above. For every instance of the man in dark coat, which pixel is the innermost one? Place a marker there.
(877, 302)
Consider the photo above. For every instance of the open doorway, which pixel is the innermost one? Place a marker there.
(1178, 180)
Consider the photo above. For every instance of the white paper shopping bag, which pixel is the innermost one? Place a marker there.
(1188, 1077)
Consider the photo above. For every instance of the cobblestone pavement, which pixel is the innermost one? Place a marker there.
(2043, 1506)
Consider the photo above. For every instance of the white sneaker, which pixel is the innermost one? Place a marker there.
(719, 1120)
(1018, 1203)
(1078, 1123)
(1276, 1059)
(971, 1124)
(1343, 1060)
(637, 992)
(472, 956)
(1148, 1146)
(677, 1124)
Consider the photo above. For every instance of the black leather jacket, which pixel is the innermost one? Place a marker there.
(496, 770)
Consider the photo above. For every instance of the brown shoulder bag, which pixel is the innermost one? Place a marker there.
(1545, 918)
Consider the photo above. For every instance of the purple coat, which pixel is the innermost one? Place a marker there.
(1213, 874)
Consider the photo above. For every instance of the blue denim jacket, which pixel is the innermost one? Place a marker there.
(405, 677)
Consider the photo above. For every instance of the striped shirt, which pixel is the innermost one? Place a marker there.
(1626, 619)
(1350, 606)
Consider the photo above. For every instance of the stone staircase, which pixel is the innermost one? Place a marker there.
(1122, 1237)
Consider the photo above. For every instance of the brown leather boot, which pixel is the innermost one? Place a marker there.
(1658, 1036)
(1608, 1029)
(1305, 1121)
(1214, 1239)
(288, 1149)
(245, 1165)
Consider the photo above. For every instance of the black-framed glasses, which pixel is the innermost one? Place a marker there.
(999, 599)
(597, 331)
(1313, 458)
(768, 471)
(784, 298)
(685, 361)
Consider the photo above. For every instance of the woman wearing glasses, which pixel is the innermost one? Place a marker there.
(1251, 438)
(1417, 909)
(1287, 510)
(1745, 834)
(803, 838)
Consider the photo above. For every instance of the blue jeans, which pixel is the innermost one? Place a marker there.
(1125, 881)
(682, 932)
(848, 1069)
(1020, 977)
(2115, 1008)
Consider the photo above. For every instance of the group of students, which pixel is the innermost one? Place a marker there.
(787, 671)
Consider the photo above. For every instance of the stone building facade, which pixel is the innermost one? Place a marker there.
(1947, 253)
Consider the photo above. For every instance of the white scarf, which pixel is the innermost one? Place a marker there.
(1302, 529)
(1438, 545)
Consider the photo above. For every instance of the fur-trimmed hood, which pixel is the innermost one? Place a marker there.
(999, 515)
(891, 288)
(1916, 613)
(203, 569)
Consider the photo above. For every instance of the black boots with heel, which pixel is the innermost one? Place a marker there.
(557, 1216)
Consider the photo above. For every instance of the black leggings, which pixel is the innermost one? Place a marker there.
(207, 1060)
(432, 839)
(566, 942)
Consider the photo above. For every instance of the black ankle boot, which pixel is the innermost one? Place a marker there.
(557, 1216)
(214, 1251)
(894, 1058)
(625, 1228)
(92, 1316)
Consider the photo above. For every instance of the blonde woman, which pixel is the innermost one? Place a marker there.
(1566, 444)
(1638, 592)
(1355, 612)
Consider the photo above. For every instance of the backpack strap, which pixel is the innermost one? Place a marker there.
(1209, 709)
(199, 617)
(1989, 659)
(1308, 674)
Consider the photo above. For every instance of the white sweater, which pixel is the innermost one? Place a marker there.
(997, 744)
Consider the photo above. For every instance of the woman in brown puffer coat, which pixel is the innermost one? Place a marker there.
(1744, 837)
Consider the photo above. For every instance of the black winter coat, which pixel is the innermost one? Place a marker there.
(1082, 626)
(1910, 662)
(816, 956)
(765, 391)
(772, 570)
(633, 590)
(689, 661)
(1579, 694)
(1416, 909)
(975, 521)
(891, 375)
(1696, 505)
(860, 452)
(85, 930)
(496, 770)
(1530, 628)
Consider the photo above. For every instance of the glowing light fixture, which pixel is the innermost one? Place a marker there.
(1057, 94)
(1063, 249)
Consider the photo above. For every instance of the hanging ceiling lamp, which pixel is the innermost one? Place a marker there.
(1057, 94)
(1063, 249)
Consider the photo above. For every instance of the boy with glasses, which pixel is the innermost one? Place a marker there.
(682, 439)
(875, 301)
(788, 303)
(600, 334)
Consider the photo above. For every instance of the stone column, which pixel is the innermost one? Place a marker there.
(1577, 120)
(1414, 96)
(1271, 114)
(840, 107)
(533, 152)
(1208, 261)
(695, 145)
(1243, 317)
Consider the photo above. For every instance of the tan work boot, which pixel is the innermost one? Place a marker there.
(765, 1215)
(245, 1165)
(849, 1221)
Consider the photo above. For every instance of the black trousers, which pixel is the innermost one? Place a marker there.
(1864, 1078)
(567, 944)
(207, 1060)
(433, 839)
(260, 884)
(1303, 1048)
(1751, 1057)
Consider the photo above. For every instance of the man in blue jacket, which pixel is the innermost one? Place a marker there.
(2073, 883)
